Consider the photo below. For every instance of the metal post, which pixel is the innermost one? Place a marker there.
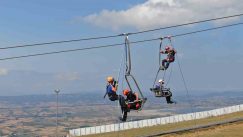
(57, 92)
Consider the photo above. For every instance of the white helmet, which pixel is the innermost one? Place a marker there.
(161, 80)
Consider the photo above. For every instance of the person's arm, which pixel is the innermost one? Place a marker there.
(136, 94)
(162, 52)
(114, 88)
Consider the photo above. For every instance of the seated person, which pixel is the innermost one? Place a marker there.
(160, 91)
(133, 99)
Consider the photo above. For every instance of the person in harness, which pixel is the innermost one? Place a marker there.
(170, 57)
(111, 89)
(161, 91)
(132, 99)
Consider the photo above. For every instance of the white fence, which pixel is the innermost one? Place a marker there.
(153, 122)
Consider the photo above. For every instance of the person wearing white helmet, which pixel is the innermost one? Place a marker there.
(170, 57)
(160, 86)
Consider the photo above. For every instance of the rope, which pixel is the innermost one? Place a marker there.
(167, 82)
(187, 91)
(122, 87)
(118, 81)
(113, 45)
(160, 47)
(156, 77)
(121, 71)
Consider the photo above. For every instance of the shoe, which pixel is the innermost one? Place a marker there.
(170, 102)
(120, 118)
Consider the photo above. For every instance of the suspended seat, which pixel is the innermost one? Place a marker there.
(126, 106)
(164, 92)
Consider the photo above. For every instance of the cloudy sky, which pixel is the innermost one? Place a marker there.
(211, 61)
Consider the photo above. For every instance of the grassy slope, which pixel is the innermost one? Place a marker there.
(167, 127)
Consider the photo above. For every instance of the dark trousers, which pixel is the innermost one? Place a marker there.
(165, 63)
(113, 97)
(168, 99)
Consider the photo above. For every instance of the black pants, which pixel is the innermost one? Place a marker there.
(168, 99)
(165, 63)
(113, 97)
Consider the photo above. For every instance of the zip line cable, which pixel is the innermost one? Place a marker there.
(113, 36)
(119, 44)
(186, 24)
(59, 42)
(178, 35)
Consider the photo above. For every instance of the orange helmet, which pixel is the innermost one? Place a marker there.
(125, 92)
(110, 79)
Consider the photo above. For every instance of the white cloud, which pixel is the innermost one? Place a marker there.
(154, 13)
(70, 76)
(3, 71)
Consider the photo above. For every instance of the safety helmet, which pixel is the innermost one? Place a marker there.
(110, 79)
(161, 81)
(125, 92)
(167, 47)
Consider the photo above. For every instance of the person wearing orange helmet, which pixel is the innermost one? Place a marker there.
(111, 89)
(131, 101)
(170, 57)
(133, 98)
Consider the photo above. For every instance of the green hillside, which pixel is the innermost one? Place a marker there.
(168, 127)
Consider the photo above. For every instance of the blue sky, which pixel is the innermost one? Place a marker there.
(211, 60)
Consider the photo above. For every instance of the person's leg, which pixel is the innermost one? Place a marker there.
(121, 101)
(163, 63)
(124, 116)
(112, 98)
(168, 100)
(167, 64)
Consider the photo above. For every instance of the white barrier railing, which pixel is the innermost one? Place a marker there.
(153, 122)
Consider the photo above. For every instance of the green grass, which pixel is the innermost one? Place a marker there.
(168, 127)
(228, 130)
